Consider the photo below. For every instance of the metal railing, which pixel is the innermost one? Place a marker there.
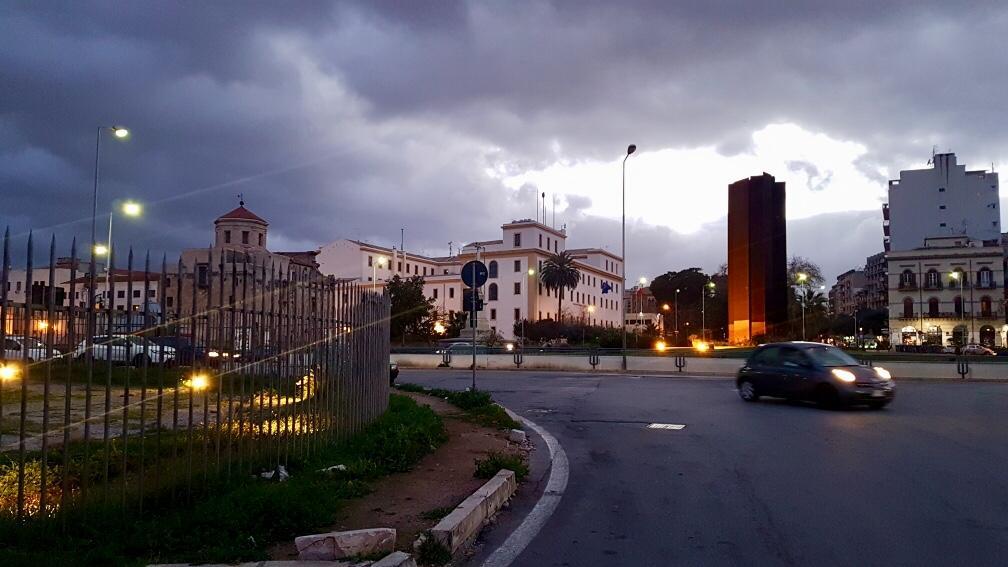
(128, 403)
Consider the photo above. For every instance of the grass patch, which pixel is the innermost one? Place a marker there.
(490, 466)
(432, 552)
(477, 407)
(437, 513)
(230, 520)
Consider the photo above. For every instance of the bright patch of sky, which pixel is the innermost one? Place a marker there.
(685, 188)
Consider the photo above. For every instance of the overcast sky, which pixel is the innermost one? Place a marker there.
(354, 119)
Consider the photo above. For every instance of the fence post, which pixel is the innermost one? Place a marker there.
(593, 358)
(962, 367)
(445, 359)
(519, 357)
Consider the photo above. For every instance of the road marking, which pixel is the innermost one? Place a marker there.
(541, 512)
(673, 426)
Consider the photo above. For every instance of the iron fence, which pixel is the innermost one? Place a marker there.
(243, 363)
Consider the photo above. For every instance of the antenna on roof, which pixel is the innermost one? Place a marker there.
(241, 199)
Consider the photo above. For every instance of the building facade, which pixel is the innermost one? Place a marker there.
(943, 200)
(513, 292)
(642, 310)
(847, 294)
(757, 258)
(876, 287)
(948, 292)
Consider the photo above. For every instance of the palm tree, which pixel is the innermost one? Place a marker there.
(559, 273)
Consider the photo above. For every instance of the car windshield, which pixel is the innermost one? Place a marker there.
(831, 356)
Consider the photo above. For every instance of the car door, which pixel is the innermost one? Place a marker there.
(12, 350)
(795, 368)
(764, 372)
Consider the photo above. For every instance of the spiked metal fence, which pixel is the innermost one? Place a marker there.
(120, 387)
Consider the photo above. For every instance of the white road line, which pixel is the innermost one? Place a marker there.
(541, 512)
(673, 426)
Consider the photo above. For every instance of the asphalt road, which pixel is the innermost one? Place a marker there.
(922, 482)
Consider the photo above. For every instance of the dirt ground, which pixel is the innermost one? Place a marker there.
(442, 479)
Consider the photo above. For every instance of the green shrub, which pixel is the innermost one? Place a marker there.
(490, 466)
(432, 552)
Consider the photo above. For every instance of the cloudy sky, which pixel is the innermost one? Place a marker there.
(356, 119)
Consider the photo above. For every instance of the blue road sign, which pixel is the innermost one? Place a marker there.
(474, 273)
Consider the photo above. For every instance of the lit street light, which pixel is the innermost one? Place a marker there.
(374, 271)
(677, 316)
(630, 149)
(802, 278)
(703, 309)
(129, 209)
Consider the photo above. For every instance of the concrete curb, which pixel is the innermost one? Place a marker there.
(462, 525)
(519, 539)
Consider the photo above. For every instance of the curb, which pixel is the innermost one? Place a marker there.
(529, 528)
(464, 523)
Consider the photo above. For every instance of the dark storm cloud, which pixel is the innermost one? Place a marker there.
(356, 119)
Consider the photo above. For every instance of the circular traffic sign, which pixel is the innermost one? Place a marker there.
(474, 273)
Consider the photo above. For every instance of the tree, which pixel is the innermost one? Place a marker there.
(700, 304)
(813, 273)
(412, 311)
(559, 273)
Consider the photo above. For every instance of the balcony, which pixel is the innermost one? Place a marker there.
(986, 285)
(908, 286)
(933, 286)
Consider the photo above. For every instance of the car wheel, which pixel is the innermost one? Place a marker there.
(747, 391)
(826, 396)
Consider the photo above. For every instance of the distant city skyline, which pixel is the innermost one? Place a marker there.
(359, 119)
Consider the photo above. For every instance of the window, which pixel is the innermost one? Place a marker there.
(120, 294)
(941, 207)
(985, 278)
(492, 268)
(169, 301)
(370, 261)
(908, 311)
(136, 293)
(245, 234)
(517, 314)
(941, 225)
(517, 288)
(765, 357)
(932, 279)
(941, 189)
(958, 306)
(985, 306)
(407, 267)
(517, 239)
(555, 249)
(517, 265)
(150, 293)
(435, 293)
(492, 292)
(933, 306)
(493, 314)
(907, 279)
(227, 237)
(540, 241)
(547, 243)
(451, 293)
(260, 239)
(399, 269)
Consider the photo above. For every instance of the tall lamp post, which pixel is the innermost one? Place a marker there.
(957, 276)
(665, 307)
(120, 133)
(528, 292)
(676, 301)
(128, 209)
(380, 261)
(703, 309)
(802, 278)
(630, 149)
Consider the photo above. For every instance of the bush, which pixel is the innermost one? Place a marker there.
(478, 406)
(490, 466)
(432, 552)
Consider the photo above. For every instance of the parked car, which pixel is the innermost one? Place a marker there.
(813, 371)
(15, 347)
(393, 371)
(185, 353)
(462, 349)
(128, 349)
(978, 350)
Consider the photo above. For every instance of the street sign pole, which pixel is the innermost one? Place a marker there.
(475, 287)
(474, 275)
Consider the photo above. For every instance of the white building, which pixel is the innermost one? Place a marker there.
(513, 292)
(944, 200)
(950, 291)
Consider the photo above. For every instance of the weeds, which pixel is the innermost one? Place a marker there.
(432, 552)
(478, 407)
(490, 466)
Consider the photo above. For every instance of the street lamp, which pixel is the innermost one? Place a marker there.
(121, 133)
(677, 317)
(129, 209)
(703, 309)
(528, 291)
(374, 271)
(630, 149)
(802, 278)
(957, 276)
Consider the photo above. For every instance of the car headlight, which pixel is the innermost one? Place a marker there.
(843, 375)
(213, 354)
(883, 373)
